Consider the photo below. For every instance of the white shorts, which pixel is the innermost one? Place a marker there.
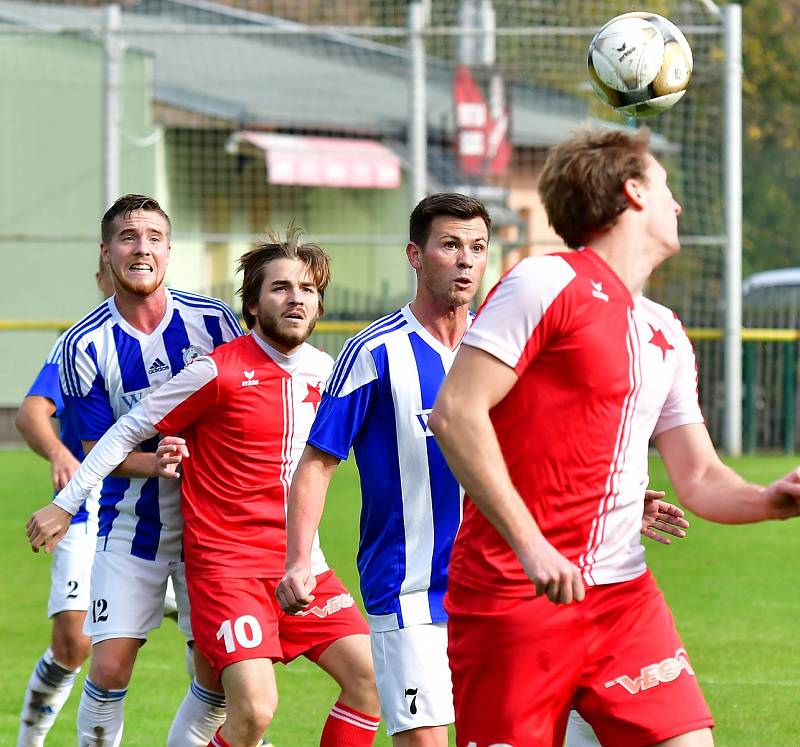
(71, 569)
(127, 596)
(413, 677)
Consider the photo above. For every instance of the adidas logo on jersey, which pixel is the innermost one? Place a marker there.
(157, 366)
(248, 378)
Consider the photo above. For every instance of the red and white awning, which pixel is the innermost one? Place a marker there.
(324, 161)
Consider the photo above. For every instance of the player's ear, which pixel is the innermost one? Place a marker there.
(413, 252)
(632, 189)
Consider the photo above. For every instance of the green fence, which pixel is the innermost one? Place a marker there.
(770, 375)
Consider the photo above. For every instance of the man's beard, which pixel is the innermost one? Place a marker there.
(143, 291)
(270, 327)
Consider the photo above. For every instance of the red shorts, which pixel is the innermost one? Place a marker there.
(519, 664)
(234, 619)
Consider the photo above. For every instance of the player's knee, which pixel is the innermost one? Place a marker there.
(254, 715)
(109, 673)
(71, 652)
(69, 645)
(359, 689)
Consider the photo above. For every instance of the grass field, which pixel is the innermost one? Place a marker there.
(734, 592)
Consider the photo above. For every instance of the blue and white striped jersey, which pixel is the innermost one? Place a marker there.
(378, 400)
(46, 384)
(107, 367)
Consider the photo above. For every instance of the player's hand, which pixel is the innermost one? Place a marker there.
(171, 451)
(47, 526)
(62, 467)
(294, 590)
(661, 519)
(783, 496)
(551, 573)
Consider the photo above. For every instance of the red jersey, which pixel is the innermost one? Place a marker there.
(245, 412)
(599, 373)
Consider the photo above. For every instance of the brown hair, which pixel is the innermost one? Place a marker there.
(126, 205)
(253, 265)
(444, 203)
(581, 185)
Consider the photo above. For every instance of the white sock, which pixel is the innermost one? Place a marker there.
(198, 718)
(48, 689)
(100, 716)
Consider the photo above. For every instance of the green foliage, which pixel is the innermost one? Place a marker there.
(772, 133)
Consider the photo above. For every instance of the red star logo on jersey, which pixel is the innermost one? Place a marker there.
(660, 341)
(314, 395)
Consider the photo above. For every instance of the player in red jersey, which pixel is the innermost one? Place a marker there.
(545, 419)
(244, 414)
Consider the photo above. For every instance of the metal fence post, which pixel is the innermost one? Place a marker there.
(112, 104)
(789, 388)
(750, 422)
(732, 428)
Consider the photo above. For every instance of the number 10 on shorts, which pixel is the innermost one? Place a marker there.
(244, 630)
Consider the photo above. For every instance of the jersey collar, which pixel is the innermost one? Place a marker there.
(138, 334)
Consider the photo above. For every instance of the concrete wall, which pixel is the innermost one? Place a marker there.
(51, 147)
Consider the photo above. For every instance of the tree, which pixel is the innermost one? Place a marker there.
(771, 133)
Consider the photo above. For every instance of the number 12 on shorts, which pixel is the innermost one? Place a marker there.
(244, 630)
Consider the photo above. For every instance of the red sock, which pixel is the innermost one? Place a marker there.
(348, 727)
(218, 740)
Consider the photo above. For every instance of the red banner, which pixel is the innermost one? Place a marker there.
(482, 142)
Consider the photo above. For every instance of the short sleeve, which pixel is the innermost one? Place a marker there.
(47, 384)
(682, 406)
(84, 391)
(516, 320)
(346, 403)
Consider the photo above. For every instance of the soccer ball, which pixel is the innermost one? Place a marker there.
(640, 64)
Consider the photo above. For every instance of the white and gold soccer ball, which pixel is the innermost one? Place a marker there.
(640, 64)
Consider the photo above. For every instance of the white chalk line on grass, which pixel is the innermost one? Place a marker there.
(750, 683)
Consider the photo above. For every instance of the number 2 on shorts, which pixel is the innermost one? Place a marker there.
(245, 631)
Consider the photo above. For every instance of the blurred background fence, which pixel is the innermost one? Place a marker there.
(336, 116)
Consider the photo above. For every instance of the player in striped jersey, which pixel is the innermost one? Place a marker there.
(245, 412)
(130, 345)
(377, 401)
(545, 418)
(54, 674)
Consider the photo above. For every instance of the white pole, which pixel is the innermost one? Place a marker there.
(732, 431)
(112, 104)
(418, 123)
(418, 115)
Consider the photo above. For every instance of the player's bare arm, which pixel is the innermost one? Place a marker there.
(661, 519)
(713, 490)
(136, 464)
(303, 513)
(33, 421)
(460, 421)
